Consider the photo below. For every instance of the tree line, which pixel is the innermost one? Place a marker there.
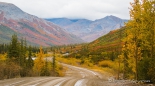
(16, 60)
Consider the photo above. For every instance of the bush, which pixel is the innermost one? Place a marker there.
(9, 70)
(106, 63)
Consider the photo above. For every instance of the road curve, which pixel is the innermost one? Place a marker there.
(75, 76)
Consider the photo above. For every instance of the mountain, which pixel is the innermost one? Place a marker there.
(89, 30)
(61, 21)
(37, 31)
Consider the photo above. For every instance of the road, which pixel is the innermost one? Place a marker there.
(75, 76)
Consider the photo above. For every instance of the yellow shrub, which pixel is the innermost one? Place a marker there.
(106, 63)
(71, 61)
(60, 69)
(3, 57)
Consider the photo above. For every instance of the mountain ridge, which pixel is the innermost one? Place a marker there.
(36, 30)
(90, 30)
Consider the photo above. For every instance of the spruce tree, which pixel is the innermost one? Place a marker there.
(13, 52)
(30, 62)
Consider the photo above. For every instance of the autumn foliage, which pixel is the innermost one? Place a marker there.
(16, 61)
(139, 48)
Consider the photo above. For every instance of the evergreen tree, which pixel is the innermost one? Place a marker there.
(30, 62)
(22, 53)
(54, 63)
(13, 52)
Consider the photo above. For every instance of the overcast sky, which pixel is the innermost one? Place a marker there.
(88, 9)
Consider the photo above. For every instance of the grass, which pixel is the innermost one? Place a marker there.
(108, 71)
(70, 61)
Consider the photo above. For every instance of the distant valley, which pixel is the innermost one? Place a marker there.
(54, 31)
(89, 30)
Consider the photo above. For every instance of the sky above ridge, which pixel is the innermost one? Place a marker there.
(74, 9)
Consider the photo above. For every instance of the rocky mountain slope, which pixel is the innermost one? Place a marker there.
(89, 30)
(37, 31)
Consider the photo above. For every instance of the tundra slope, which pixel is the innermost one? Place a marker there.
(37, 31)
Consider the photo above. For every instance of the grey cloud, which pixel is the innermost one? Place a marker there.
(89, 9)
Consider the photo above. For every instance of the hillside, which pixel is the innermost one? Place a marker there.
(109, 42)
(89, 30)
(37, 31)
(103, 48)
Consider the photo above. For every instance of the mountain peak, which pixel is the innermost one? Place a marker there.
(90, 30)
(4, 3)
(11, 11)
(113, 17)
(37, 31)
